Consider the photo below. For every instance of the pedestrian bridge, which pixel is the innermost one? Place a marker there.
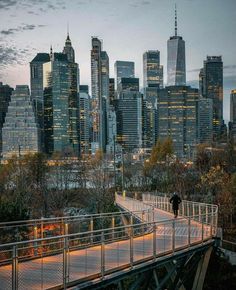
(92, 252)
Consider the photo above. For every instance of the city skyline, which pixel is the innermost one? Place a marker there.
(204, 34)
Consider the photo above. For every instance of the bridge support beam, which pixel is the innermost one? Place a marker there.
(201, 270)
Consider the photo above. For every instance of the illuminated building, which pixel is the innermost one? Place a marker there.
(128, 85)
(152, 70)
(84, 110)
(211, 80)
(100, 94)
(232, 123)
(36, 84)
(205, 116)
(61, 124)
(129, 120)
(20, 133)
(176, 70)
(177, 118)
(123, 69)
(5, 97)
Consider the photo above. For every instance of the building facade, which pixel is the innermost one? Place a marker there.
(36, 85)
(211, 79)
(176, 67)
(204, 117)
(84, 110)
(61, 124)
(20, 133)
(5, 97)
(123, 69)
(129, 120)
(152, 70)
(177, 118)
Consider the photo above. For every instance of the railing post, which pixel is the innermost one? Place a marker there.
(91, 230)
(14, 268)
(131, 247)
(173, 236)
(202, 231)
(199, 213)
(154, 241)
(183, 209)
(207, 213)
(102, 255)
(189, 232)
(65, 262)
(193, 211)
(188, 209)
(153, 213)
(35, 238)
(66, 229)
(113, 226)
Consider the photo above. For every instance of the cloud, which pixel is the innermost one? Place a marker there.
(10, 55)
(6, 4)
(21, 28)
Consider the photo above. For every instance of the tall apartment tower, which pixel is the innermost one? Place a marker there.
(36, 84)
(123, 69)
(20, 133)
(211, 86)
(152, 70)
(5, 97)
(100, 94)
(176, 68)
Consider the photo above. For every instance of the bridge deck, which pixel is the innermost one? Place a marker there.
(47, 272)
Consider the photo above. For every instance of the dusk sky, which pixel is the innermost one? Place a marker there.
(127, 27)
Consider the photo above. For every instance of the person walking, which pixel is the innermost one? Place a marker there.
(175, 200)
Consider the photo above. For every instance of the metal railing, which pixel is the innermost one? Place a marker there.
(33, 229)
(71, 259)
(197, 211)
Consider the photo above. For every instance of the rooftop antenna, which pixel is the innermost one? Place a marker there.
(176, 20)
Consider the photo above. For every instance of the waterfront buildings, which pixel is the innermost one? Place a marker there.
(20, 133)
(232, 123)
(84, 117)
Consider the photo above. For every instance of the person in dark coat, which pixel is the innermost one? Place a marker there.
(175, 200)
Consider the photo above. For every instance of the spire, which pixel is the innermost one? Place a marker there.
(51, 52)
(68, 34)
(176, 20)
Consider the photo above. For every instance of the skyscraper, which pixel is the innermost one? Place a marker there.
(84, 109)
(20, 133)
(177, 118)
(204, 120)
(123, 69)
(128, 85)
(100, 94)
(233, 106)
(36, 84)
(152, 70)
(232, 123)
(5, 97)
(212, 87)
(61, 124)
(129, 120)
(176, 70)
